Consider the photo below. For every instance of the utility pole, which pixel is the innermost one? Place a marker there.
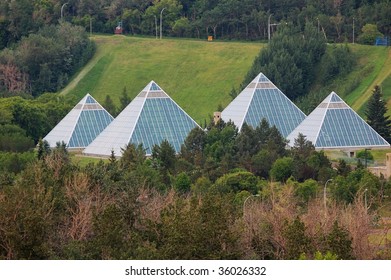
(269, 25)
(161, 22)
(353, 30)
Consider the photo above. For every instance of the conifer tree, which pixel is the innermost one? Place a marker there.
(124, 98)
(376, 114)
(109, 105)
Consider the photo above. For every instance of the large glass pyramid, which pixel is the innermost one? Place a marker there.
(334, 125)
(81, 125)
(149, 119)
(262, 99)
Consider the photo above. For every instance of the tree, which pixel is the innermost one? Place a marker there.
(297, 241)
(282, 169)
(376, 114)
(238, 181)
(164, 158)
(132, 156)
(109, 105)
(369, 34)
(43, 149)
(306, 190)
(182, 183)
(124, 99)
(339, 242)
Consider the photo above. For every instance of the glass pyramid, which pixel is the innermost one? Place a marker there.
(334, 125)
(81, 125)
(262, 99)
(149, 119)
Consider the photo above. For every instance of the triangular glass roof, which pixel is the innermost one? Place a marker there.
(81, 125)
(262, 99)
(334, 125)
(149, 119)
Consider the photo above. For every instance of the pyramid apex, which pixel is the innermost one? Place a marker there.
(332, 98)
(151, 86)
(261, 78)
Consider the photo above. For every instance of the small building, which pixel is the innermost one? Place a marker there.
(119, 30)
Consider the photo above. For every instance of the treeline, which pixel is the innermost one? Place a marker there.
(223, 19)
(216, 200)
(44, 61)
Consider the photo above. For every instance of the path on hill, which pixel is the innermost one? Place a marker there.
(74, 82)
(383, 74)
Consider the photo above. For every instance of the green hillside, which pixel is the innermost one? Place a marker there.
(198, 75)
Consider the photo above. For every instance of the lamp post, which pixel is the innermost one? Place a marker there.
(318, 24)
(161, 22)
(62, 9)
(324, 194)
(268, 28)
(244, 203)
(269, 25)
(353, 30)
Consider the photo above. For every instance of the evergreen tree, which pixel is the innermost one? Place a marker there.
(124, 99)
(109, 106)
(376, 114)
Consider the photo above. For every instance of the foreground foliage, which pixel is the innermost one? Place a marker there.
(207, 203)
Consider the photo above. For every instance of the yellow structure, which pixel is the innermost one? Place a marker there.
(216, 117)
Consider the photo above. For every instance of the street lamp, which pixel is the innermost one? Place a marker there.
(324, 194)
(62, 9)
(353, 30)
(318, 24)
(161, 22)
(244, 203)
(268, 28)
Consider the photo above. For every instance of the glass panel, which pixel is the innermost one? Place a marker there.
(343, 127)
(276, 108)
(90, 124)
(161, 119)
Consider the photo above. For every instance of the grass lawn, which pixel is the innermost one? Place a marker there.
(81, 160)
(198, 75)
(374, 68)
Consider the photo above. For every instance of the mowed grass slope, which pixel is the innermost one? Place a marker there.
(198, 75)
(373, 67)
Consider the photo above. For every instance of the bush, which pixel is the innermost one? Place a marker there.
(364, 154)
(237, 182)
(369, 34)
(338, 61)
(282, 169)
